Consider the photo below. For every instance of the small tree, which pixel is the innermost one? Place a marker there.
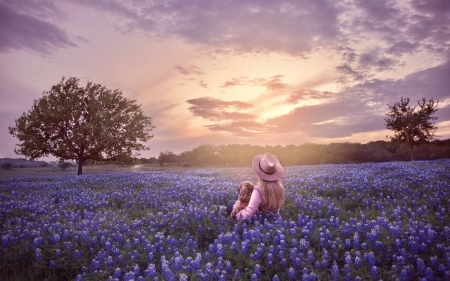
(166, 157)
(414, 125)
(64, 165)
(76, 123)
(7, 166)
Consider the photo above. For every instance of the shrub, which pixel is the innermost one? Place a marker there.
(7, 166)
(64, 165)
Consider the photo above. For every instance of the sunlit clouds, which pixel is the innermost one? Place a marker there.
(256, 72)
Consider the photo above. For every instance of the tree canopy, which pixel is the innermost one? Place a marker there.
(414, 125)
(81, 123)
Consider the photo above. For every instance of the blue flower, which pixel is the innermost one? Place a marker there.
(150, 272)
(335, 272)
(291, 274)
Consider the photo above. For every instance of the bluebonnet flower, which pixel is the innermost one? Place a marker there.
(38, 241)
(150, 272)
(55, 238)
(219, 250)
(335, 271)
(38, 255)
(275, 278)
(136, 270)
(244, 246)
(234, 247)
(347, 270)
(237, 274)
(434, 261)
(150, 257)
(165, 270)
(135, 255)
(404, 275)
(117, 273)
(429, 274)
(110, 262)
(269, 260)
(178, 263)
(374, 272)
(307, 276)
(209, 272)
(420, 265)
(257, 270)
(311, 257)
(358, 262)
(129, 276)
(95, 265)
(197, 262)
(370, 259)
(120, 260)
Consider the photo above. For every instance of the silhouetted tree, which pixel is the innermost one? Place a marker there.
(64, 165)
(414, 125)
(72, 122)
(167, 157)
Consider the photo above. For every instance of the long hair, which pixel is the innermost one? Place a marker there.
(273, 193)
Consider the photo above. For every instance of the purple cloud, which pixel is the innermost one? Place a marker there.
(189, 70)
(218, 110)
(272, 83)
(353, 110)
(292, 27)
(245, 128)
(299, 95)
(22, 28)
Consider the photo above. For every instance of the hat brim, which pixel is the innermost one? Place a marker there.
(260, 173)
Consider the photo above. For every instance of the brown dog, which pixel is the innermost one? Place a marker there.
(245, 192)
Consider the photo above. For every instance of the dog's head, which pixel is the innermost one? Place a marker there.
(245, 191)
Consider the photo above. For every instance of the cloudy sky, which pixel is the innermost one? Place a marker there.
(220, 72)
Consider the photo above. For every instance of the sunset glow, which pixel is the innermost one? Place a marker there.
(223, 72)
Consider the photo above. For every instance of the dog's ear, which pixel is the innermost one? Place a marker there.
(238, 191)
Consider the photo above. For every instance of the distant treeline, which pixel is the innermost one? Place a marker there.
(9, 163)
(305, 154)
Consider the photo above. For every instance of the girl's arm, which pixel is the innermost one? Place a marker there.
(253, 205)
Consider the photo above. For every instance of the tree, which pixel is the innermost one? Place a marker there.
(414, 125)
(76, 123)
(64, 165)
(166, 157)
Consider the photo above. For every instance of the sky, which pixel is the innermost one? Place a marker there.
(258, 72)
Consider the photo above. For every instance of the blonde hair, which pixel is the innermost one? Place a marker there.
(273, 192)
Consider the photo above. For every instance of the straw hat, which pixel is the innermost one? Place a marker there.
(267, 167)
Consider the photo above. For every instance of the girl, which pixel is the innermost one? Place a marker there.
(268, 194)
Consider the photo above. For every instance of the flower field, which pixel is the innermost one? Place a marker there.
(341, 222)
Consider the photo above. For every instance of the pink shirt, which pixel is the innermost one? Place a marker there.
(256, 199)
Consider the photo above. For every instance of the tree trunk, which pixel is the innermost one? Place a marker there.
(412, 152)
(80, 167)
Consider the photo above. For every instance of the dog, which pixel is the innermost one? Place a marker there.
(245, 192)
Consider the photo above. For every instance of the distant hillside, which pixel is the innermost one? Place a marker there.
(22, 163)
